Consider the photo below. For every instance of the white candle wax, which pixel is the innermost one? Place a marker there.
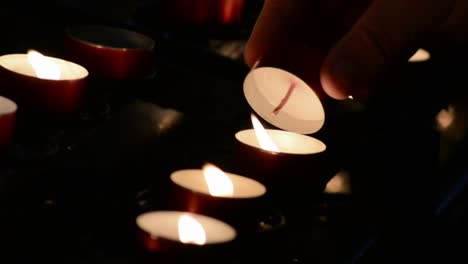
(267, 89)
(287, 142)
(195, 180)
(165, 224)
(7, 106)
(20, 64)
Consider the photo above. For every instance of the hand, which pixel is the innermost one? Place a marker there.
(360, 42)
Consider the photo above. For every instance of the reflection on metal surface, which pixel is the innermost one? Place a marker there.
(453, 193)
(339, 184)
(272, 222)
(231, 10)
(452, 126)
(420, 56)
(215, 12)
(233, 49)
(352, 105)
(445, 118)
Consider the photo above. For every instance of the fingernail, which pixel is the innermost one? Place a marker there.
(331, 83)
(350, 79)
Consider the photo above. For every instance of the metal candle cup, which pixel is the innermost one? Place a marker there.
(299, 163)
(300, 166)
(7, 121)
(198, 12)
(240, 208)
(110, 52)
(170, 233)
(20, 83)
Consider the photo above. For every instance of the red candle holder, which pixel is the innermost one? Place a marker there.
(7, 121)
(290, 172)
(158, 232)
(242, 209)
(301, 164)
(110, 52)
(199, 12)
(20, 83)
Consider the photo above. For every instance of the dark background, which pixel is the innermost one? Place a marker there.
(72, 185)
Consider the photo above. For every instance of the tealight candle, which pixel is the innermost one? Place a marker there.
(169, 232)
(284, 100)
(111, 52)
(211, 191)
(285, 160)
(43, 83)
(7, 121)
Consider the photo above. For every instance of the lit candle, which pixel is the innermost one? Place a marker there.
(285, 160)
(211, 191)
(7, 121)
(111, 52)
(284, 100)
(170, 232)
(43, 83)
(279, 141)
(297, 162)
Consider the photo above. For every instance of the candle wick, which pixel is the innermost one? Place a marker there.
(255, 65)
(285, 98)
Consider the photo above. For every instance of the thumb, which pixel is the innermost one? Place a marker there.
(387, 33)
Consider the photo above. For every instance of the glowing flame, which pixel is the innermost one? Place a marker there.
(191, 231)
(44, 67)
(263, 138)
(445, 118)
(350, 97)
(420, 55)
(340, 183)
(219, 184)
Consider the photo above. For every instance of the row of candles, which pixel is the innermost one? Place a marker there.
(201, 197)
(42, 80)
(272, 154)
(201, 192)
(55, 85)
(268, 156)
(268, 159)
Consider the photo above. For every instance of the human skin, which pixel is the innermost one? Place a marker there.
(347, 47)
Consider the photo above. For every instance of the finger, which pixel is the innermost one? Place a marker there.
(279, 22)
(387, 33)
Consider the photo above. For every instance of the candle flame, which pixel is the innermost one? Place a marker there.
(219, 184)
(264, 140)
(339, 183)
(43, 66)
(445, 118)
(191, 231)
